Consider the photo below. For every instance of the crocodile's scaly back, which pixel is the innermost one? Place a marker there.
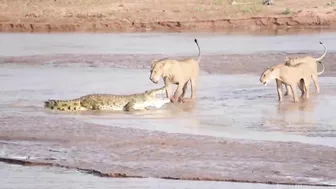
(154, 92)
(107, 101)
(64, 105)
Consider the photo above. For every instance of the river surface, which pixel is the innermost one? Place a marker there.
(228, 106)
(172, 44)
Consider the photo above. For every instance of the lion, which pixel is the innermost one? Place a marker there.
(311, 61)
(290, 75)
(178, 72)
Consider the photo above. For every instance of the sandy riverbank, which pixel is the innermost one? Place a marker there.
(118, 152)
(20, 177)
(160, 15)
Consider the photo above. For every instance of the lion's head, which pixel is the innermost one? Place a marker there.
(292, 61)
(267, 75)
(156, 71)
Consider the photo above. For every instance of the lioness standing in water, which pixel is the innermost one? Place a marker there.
(311, 61)
(292, 76)
(178, 72)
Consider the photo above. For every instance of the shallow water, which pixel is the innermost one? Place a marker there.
(231, 107)
(171, 44)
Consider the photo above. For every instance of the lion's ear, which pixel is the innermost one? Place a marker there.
(153, 63)
(286, 58)
(272, 69)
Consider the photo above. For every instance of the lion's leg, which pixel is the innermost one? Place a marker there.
(178, 92)
(307, 85)
(288, 91)
(193, 83)
(293, 88)
(278, 85)
(301, 87)
(317, 86)
(168, 86)
(184, 90)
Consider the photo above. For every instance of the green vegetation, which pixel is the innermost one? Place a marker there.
(287, 11)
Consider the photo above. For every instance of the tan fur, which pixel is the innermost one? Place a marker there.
(289, 75)
(178, 72)
(312, 62)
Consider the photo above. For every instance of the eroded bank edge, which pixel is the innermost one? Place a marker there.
(122, 175)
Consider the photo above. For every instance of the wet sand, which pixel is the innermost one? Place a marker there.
(236, 130)
(19, 177)
(138, 153)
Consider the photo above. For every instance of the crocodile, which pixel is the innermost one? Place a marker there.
(111, 102)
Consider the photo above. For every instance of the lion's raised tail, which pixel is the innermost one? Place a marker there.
(325, 52)
(64, 105)
(199, 51)
(323, 68)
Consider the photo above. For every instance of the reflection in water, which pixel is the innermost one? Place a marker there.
(187, 106)
(295, 117)
(304, 105)
(167, 111)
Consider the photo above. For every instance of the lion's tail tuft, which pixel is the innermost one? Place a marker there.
(199, 51)
(325, 52)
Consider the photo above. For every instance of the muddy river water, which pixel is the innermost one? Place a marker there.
(236, 126)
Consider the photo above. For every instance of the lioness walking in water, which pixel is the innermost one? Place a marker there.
(292, 76)
(178, 72)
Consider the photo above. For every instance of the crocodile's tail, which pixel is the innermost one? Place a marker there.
(64, 105)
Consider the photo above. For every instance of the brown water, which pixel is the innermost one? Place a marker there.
(235, 108)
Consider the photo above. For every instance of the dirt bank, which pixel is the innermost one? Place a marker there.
(160, 15)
